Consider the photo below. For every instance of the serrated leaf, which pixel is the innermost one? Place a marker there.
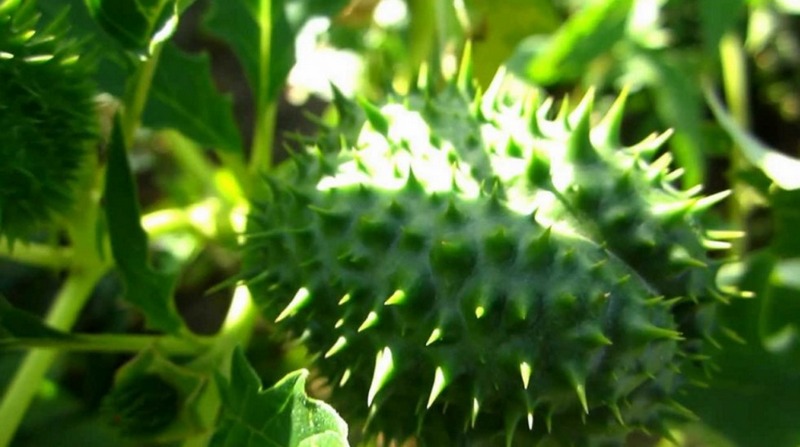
(782, 169)
(147, 289)
(137, 25)
(17, 324)
(280, 416)
(589, 33)
(183, 97)
(241, 23)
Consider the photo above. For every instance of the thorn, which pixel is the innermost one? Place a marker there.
(608, 130)
(375, 117)
(436, 335)
(370, 321)
(452, 214)
(476, 407)
(525, 371)
(340, 343)
(384, 367)
(300, 299)
(707, 202)
(530, 420)
(679, 255)
(538, 170)
(584, 108)
(345, 377)
(398, 297)
(710, 244)
(659, 166)
(617, 414)
(674, 175)
(512, 419)
(344, 299)
(465, 74)
(480, 311)
(440, 381)
(578, 385)
(725, 235)
(339, 323)
(674, 211)
(647, 148)
(650, 332)
(581, 392)
(548, 421)
(492, 94)
(579, 145)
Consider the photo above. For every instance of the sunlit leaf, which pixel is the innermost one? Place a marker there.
(588, 34)
(280, 416)
(262, 34)
(136, 24)
(500, 26)
(183, 97)
(782, 169)
(147, 289)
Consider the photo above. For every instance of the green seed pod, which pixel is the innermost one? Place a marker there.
(46, 117)
(468, 269)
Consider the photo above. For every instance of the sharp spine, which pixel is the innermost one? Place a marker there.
(301, 298)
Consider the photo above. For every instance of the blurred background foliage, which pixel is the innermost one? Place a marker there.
(675, 58)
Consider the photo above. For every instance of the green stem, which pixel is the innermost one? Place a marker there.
(28, 378)
(734, 78)
(135, 96)
(236, 330)
(38, 255)
(266, 107)
(117, 343)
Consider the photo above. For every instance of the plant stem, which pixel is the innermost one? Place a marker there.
(38, 255)
(28, 378)
(266, 107)
(117, 343)
(734, 77)
(236, 329)
(135, 96)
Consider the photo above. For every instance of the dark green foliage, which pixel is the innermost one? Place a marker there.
(143, 406)
(471, 263)
(46, 118)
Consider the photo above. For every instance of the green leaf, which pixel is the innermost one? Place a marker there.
(752, 397)
(183, 97)
(149, 290)
(589, 33)
(18, 324)
(716, 18)
(138, 25)
(502, 26)
(268, 58)
(147, 413)
(679, 103)
(782, 169)
(282, 416)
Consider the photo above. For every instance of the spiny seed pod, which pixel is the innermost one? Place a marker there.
(46, 117)
(469, 268)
